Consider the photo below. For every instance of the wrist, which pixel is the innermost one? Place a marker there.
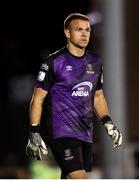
(106, 119)
(35, 128)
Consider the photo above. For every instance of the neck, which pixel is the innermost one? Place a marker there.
(76, 51)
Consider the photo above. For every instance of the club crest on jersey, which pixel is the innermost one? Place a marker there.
(90, 69)
(82, 89)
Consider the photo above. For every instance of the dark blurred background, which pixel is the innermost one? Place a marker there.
(31, 30)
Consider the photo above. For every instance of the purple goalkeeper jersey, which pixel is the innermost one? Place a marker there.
(71, 83)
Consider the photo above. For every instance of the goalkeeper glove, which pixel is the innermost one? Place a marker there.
(112, 131)
(36, 147)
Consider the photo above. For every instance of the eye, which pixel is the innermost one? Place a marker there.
(88, 29)
(79, 29)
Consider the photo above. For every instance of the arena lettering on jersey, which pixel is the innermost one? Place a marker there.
(80, 93)
(79, 89)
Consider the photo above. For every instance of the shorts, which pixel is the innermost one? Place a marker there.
(72, 154)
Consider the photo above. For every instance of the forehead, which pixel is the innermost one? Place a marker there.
(80, 23)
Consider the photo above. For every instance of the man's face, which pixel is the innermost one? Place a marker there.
(79, 33)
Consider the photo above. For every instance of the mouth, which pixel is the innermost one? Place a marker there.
(84, 41)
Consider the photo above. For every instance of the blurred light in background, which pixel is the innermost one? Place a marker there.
(21, 88)
(95, 17)
(114, 83)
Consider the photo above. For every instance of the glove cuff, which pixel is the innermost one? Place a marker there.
(35, 128)
(106, 119)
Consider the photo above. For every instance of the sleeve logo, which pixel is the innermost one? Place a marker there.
(102, 78)
(45, 66)
(41, 76)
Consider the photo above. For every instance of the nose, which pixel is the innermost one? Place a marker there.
(84, 33)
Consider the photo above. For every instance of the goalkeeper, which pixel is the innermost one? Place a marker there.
(70, 81)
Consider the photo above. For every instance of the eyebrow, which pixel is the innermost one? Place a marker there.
(78, 27)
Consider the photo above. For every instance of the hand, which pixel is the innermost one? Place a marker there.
(114, 133)
(36, 147)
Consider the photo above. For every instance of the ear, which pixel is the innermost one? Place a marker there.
(67, 33)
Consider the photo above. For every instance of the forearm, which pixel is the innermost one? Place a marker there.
(36, 104)
(35, 111)
(100, 104)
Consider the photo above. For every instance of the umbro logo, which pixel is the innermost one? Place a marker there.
(69, 68)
